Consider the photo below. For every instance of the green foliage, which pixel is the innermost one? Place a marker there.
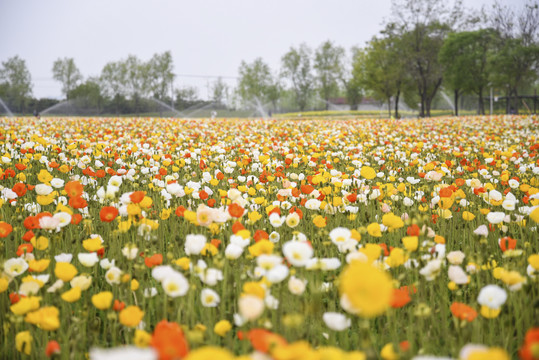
(65, 71)
(255, 81)
(328, 63)
(464, 56)
(296, 67)
(15, 83)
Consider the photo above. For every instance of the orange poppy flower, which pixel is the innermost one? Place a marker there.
(401, 297)
(169, 341)
(203, 195)
(118, 305)
(76, 219)
(137, 196)
(74, 189)
(307, 189)
(528, 351)
(507, 243)
(5, 229)
(413, 230)
(108, 213)
(19, 189)
(296, 210)
(211, 202)
(446, 192)
(52, 348)
(25, 249)
(235, 210)
(264, 340)
(154, 260)
(28, 235)
(237, 226)
(463, 311)
(78, 202)
(180, 210)
(20, 166)
(260, 235)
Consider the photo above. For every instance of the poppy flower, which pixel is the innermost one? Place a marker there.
(264, 340)
(401, 297)
(154, 260)
(235, 210)
(5, 229)
(74, 189)
(463, 311)
(137, 196)
(507, 243)
(108, 213)
(169, 341)
(52, 348)
(78, 202)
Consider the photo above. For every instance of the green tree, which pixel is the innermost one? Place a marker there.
(296, 67)
(219, 91)
(136, 78)
(464, 56)
(353, 85)
(421, 27)
(161, 74)
(515, 61)
(88, 95)
(255, 81)
(382, 71)
(65, 71)
(15, 83)
(328, 63)
(112, 84)
(186, 97)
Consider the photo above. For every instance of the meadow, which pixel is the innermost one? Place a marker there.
(154, 238)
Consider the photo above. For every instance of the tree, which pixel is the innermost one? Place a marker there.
(352, 79)
(136, 78)
(219, 91)
(186, 97)
(383, 71)
(161, 74)
(254, 82)
(15, 83)
(421, 26)
(112, 84)
(328, 63)
(65, 71)
(464, 56)
(296, 66)
(88, 95)
(515, 63)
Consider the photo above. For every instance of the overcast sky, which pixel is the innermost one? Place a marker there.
(206, 38)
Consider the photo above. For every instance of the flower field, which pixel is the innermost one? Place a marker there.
(149, 238)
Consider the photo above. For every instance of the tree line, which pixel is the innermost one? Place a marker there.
(425, 46)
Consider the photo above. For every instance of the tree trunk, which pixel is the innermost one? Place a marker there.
(507, 102)
(515, 90)
(389, 106)
(456, 104)
(481, 105)
(422, 112)
(397, 104)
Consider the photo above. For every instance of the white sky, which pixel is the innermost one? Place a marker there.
(206, 37)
